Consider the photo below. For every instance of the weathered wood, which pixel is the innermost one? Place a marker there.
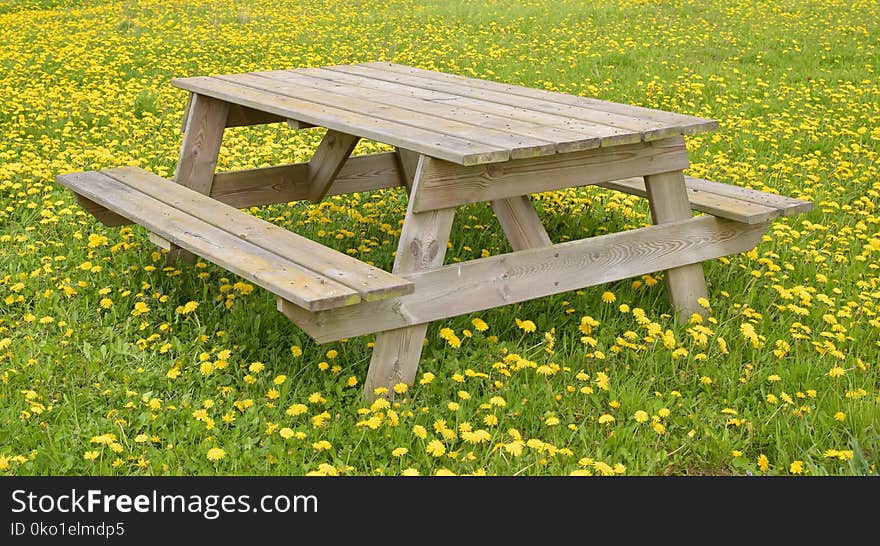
(520, 223)
(370, 282)
(564, 140)
(286, 183)
(407, 162)
(186, 107)
(242, 116)
(278, 275)
(104, 215)
(687, 124)
(786, 206)
(199, 151)
(590, 133)
(703, 201)
(453, 149)
(647, 129)
(328, 160)
(422, 247)
(294, 124)
(201, 143)
(450, 185)
(686, 284)
(517, 146)
(484, 283)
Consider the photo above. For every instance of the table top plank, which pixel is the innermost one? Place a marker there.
(610, 135)
(517, 145)
(649, 129)
(462, 120)
(457, 150)
(563, 140)
(689, 124)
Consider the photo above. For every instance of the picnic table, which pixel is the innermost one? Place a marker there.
(456, 141)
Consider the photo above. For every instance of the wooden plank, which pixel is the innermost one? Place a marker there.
(328, 160)
(710, 203)
(286, 279)
(422, 247)
(688, 124)
(103, 214)
(186, 107)
(456, 150)
(786, 206)
(370, 282)
(686, 284)
(449, 185)
(564, 140)
(647, 129)
(201, 143)
(520, 223)
(286, 183)
(485, 283)
(294, 124)
(408, 162)
(590, 133)
(517, 146)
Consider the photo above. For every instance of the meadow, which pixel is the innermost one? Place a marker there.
(114, 363)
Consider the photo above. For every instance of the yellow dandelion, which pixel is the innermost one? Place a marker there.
(526, 325)
(215, 454)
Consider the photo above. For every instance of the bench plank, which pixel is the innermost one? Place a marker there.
(724, 200)
(370, 282)
(278, 275)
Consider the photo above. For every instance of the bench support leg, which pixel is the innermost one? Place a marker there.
(328, 160)
(667, 195)
(422, 247)
(205, 121)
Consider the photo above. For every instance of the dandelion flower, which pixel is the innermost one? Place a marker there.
(215, 454)
(796, 467)
(608, 297)
(640, 416)
(399, 451)
(479, 325)
(435, 448)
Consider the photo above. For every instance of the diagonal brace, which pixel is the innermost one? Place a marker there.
(328, 160)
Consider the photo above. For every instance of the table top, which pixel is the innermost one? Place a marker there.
(464, 120)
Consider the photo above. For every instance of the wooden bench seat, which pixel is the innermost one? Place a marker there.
(725, 200)
(290, 266)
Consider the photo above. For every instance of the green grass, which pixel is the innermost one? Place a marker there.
(86, 86)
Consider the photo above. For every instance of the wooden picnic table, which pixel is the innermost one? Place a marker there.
(457, 140)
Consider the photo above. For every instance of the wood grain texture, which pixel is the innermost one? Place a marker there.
(647, 129)
(450, 185)
(282, 277)
(201, 143)
(102, 213)
(562, 139)
(472, 286)
(328, 160)
(685, 285)
(517, 146)
(521, 223)
(784, 205)
(408, 162)
(687, 124)
(704, 201)
(422, 247)
(454, 149)
(287, 183)
(370, 282)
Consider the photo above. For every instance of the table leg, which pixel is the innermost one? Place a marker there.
(520, 223)
(667, 196)
(422, 246)
(199, 151)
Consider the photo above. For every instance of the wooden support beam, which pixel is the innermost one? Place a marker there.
(685, 284)
(328, 160)
(407, 161)
(450, 184)
(520, 223)
(472, 286)
(205, 122)
(103, 214)
(422, 247)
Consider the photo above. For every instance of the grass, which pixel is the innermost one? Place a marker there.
(210, 379)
